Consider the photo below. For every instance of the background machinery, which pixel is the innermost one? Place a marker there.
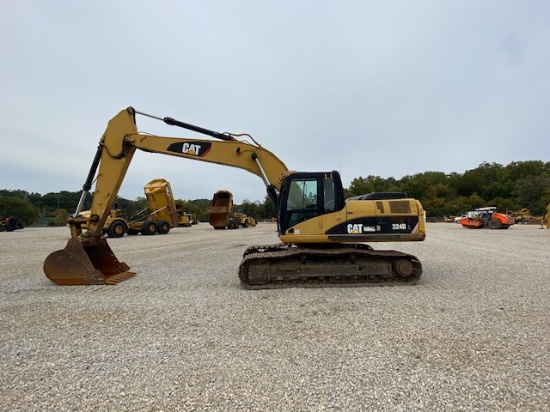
(11, 223)
(115, 225)
(162, 207)
(520, 216)
(187, 219)
(322, 234)
(486, 217)
(243, 219)
(159, 217)
(525, 217)
(220, 211)
(222, 216)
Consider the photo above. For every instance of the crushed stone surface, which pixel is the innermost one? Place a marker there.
(472, 335)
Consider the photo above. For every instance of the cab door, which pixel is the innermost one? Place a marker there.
(305, 196)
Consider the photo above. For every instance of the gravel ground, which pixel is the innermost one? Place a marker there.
(473, 334)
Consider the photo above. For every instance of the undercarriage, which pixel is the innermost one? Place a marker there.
(284, 266)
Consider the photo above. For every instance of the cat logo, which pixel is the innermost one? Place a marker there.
(199, 148)
(355, 228)
(191, 149)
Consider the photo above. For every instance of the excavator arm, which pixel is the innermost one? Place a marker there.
(88, 259)
(121, 139)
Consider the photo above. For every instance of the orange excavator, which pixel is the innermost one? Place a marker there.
(322, 234)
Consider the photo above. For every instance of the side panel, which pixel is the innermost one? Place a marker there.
(364, 221)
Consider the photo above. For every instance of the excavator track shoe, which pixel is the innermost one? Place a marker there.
(279, 266)
(85, 265)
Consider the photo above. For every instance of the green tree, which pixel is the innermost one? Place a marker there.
(197, 207)
(475, 201)
(131, 209)
(134, 209)
(433, 177)
(250, 208)
(491, 172)
(61, 200)
(518, 170)
(470, 182)
(417, 187)
(497, 189)
(528, 192)
(459, 205)
(369, 184)
(17, 206)
(59, 217)
(267, 210)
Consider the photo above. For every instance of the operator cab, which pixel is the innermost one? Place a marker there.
(305, 195)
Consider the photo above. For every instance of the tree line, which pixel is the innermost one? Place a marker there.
(518, 185)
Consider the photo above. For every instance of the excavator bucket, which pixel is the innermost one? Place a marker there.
(89, 265)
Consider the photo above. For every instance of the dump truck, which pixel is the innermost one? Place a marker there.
(163, 214)
(159, 217)
(222, 216)
(221, 210)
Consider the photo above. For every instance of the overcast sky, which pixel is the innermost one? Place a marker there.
(384, 88)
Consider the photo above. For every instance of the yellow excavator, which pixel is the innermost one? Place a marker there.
(322, 234)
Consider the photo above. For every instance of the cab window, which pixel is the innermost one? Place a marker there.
(302, 201)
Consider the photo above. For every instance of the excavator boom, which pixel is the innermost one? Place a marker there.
(87, 258)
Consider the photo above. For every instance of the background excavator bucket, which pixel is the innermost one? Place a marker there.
(90, 265)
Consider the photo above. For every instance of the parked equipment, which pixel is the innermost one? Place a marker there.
(115, 225)
(159, 216)
(187, 219)
(525, 217)
(222, 216)
(219, 212)
(486, 217)
(163, 212)
(9, 224)
(520, 216)
(322, 233)
(244, 220)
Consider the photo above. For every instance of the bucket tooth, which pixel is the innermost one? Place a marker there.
(85, 265)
